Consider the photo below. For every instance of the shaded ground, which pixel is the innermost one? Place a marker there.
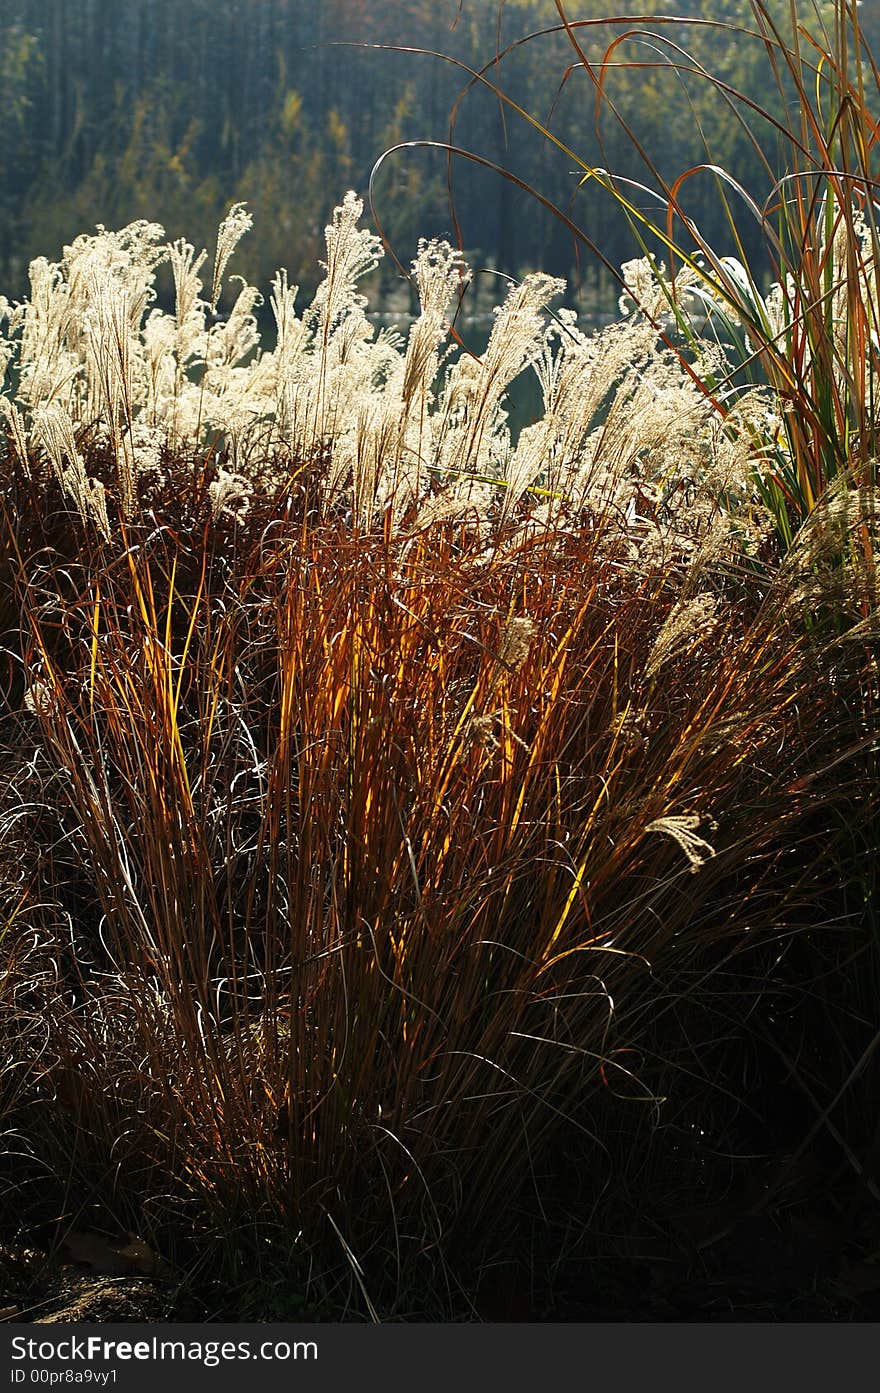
(798, 1263)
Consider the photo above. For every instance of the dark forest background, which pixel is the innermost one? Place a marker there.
(112, 110)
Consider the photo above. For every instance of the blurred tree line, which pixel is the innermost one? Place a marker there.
(172, 109)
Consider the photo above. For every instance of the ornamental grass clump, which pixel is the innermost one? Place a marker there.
(357, 857)
(365, 770)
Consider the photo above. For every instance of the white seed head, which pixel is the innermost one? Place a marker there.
(230, 232)
(682, 828)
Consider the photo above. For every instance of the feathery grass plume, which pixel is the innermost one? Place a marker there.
(833, 566)
(472, 440)
(352, 253)
(579, 375)
(526, 463)
(288, 326)
(110, 376)
(229, 493)
(231, 341)
(6, 353)
(690, 621)
(54, 429)
(682, 828)
(163, 378)
(230, 232)
(291, 337)
(17, 432)
(649, 291)
(185, 268)
(48, 367)
(129, 257)
(291, 340)
(516, 640)
(440, 272)
(110, 278)
(184, 336)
